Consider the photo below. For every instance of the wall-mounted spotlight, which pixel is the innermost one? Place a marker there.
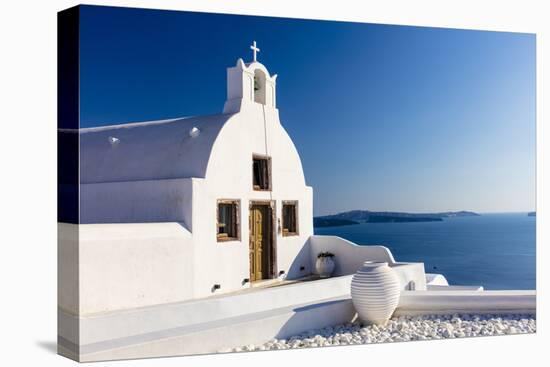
(113, 141)
(194, 132)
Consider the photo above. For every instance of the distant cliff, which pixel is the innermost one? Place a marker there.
(398, 219)
(367, 216)
(329, 222)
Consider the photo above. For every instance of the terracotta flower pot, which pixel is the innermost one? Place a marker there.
(375, 292)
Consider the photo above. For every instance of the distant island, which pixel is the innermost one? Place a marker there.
(532, 214)
(398, 219)
(367, 216)
(330, 222)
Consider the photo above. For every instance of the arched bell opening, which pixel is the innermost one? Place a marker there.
(259, 86)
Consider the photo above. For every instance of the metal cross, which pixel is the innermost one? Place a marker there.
(254, 49)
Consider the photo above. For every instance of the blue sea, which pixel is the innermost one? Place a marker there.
(496, 251)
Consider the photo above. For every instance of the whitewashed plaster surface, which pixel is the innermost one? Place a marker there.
(148, 201)
(148, 206)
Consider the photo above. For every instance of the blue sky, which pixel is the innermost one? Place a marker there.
(384, 117)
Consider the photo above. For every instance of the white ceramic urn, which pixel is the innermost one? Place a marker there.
(325, 266)
(375, 292)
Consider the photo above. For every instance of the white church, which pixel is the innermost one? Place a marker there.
(203, 205)
(179, 218)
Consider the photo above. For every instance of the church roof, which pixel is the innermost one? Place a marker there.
(166, 149)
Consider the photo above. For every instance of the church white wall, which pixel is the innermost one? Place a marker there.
(229, 176)
(294, 251)
(223, 263)
(128, 265)
(137, 201)
(143, 258)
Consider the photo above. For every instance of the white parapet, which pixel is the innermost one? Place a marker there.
(255, 316)
(206, 325)
(349, 257)
(467, 301)
(436, 279)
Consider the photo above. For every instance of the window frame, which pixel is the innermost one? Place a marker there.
(237, 213)
(269, 178)
(296, 221)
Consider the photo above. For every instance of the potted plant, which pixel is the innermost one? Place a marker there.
(325, 264)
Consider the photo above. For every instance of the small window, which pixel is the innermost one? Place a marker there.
(290, 218)
(228, 220)
(261, 173)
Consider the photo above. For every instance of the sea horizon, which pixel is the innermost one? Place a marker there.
(429, 212)
(496, 250)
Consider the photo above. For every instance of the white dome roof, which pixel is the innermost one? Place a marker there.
(141, 151)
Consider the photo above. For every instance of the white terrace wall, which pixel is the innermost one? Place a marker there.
(128, 265)
(443, 302)
(349, 257)
(135, 246)
(146, 320)
(67, 267)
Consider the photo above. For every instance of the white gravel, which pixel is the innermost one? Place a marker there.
(405, 328)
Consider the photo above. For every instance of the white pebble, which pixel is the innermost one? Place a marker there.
(403, 328)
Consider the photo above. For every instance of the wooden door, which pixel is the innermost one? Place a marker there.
(259, 241)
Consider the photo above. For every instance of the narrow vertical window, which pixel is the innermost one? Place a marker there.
(290, 218)
(228, 220)
(261, 173)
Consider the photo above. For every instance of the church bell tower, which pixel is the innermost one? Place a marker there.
(249, 84)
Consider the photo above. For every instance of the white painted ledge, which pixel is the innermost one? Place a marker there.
(435, 279)
(218, 323)
(432, 287)
(122, 324)
(466, 301)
